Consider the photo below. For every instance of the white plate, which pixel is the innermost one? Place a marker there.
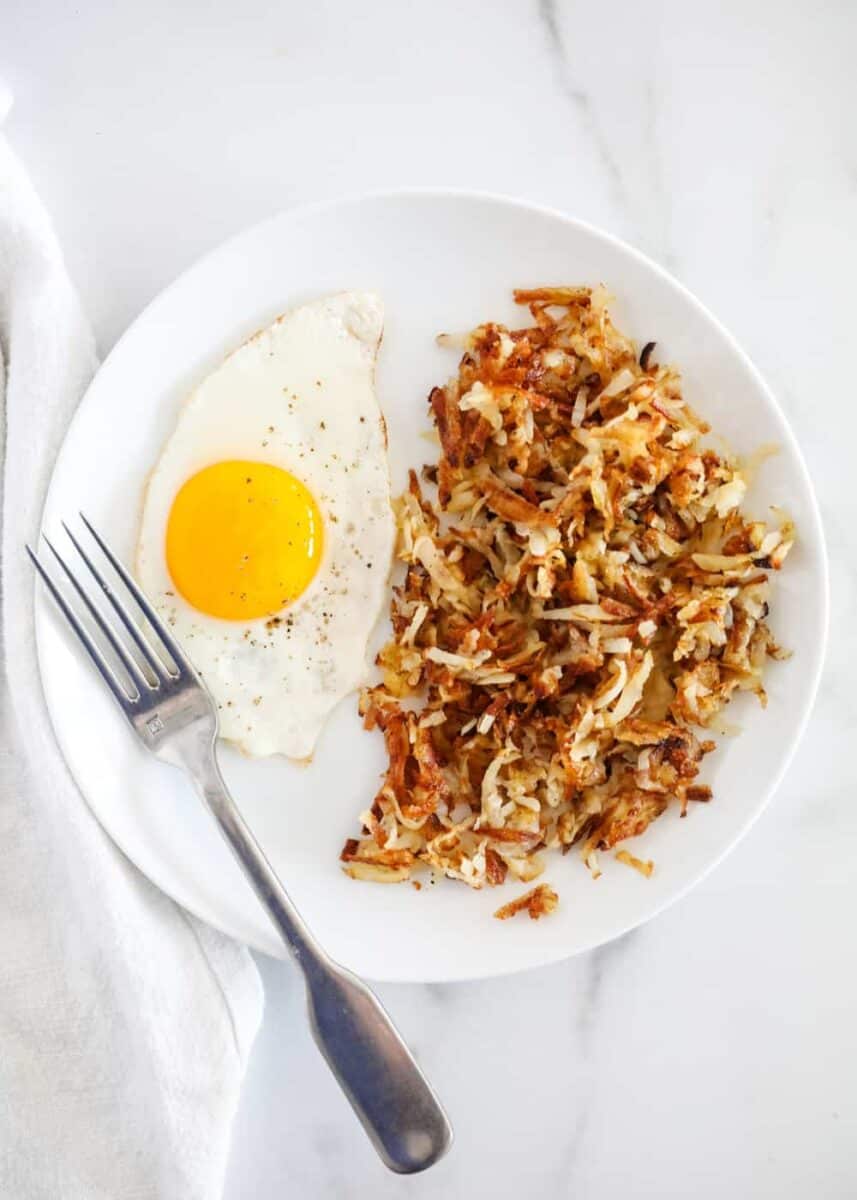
(441, 261)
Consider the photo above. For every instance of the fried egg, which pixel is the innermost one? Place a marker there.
(267, 531)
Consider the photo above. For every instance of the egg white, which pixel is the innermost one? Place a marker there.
(299, 395)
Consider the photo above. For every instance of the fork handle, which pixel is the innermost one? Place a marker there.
(385, 1087)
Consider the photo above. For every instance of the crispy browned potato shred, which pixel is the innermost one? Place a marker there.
(581, 594)
(536, 903)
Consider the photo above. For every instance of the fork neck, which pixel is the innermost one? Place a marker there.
(200, 759)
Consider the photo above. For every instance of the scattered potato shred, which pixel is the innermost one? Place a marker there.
(537, 902)
(644, 866)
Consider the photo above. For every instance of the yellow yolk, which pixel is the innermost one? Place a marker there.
(243, 540)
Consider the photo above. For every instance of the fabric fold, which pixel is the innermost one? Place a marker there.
(125, 1023)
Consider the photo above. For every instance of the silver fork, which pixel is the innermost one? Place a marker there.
(172, 713)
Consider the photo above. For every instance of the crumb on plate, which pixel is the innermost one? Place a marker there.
(539, 901)
(644, 866)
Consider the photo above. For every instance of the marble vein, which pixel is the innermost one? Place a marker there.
(580, 100)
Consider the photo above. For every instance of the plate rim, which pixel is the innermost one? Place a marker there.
(355, 200)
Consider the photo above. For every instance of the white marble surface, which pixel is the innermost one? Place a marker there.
(713, 1052)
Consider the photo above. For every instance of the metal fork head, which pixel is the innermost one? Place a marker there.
(150, 677)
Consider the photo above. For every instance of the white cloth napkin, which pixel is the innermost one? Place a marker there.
(125, 1024)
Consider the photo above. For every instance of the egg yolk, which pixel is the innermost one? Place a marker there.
(243, 539)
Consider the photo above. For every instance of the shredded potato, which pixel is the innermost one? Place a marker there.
(538, 902)
(644, 866)
(580, 593)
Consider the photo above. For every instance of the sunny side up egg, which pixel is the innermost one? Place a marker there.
(267, 532)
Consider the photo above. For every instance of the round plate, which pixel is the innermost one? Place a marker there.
(441, 262)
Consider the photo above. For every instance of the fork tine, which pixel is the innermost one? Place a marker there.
(170, 644)
(148, 652)
(83, 633)
(127, 660)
